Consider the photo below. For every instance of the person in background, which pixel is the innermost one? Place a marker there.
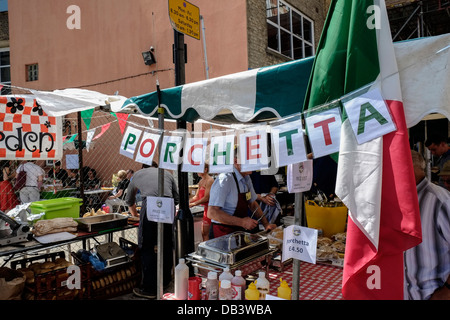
(58, 173)
(8, 198)
(92, 181)
(445, 175)
(35, 178)
(130, 173)
(201, 197)
(116, 200)
(427, 265)
(72, 181)
(231, 196)
(145, 180)
(438, 146)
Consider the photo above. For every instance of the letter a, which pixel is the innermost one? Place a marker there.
(74, 20)
(374, 281)
(74, 280)
(374, 114)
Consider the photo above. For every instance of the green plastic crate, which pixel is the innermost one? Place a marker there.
(57, 208)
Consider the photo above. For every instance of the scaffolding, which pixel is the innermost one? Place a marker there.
(414, 19)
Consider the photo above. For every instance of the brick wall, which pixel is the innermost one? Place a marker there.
(258, 54)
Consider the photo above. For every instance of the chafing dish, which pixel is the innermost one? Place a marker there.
(233, 248)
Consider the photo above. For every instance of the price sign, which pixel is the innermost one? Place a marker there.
(160, 209)
(185, 18)
(300, 243)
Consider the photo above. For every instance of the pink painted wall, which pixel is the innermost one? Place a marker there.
(109, 44)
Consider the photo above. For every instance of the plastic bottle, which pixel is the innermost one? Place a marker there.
(238, 286)
(225, 291)
(252, 293)
(283, 290)
(225, 275)
(263, 285)
(181, 280)
(212, 286)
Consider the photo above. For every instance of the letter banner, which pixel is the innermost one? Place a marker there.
(369, 116)
(288, 143)
(147, 148)
(253, 150)
(221, 156)
(324, 132)
(27, 132)
(130, 141)
(170, 152)
(194, 155)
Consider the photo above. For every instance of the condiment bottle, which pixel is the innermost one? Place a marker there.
(211, 286)
(238, 286)
(252, 293)
(283, 290)
(263, 285)
(225, 291)
(225, 275)
(181, 280)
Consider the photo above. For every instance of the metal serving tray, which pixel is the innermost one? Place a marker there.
(233, 248)
(102, 222)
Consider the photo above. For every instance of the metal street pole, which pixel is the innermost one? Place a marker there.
(160, 244)
(184, 222)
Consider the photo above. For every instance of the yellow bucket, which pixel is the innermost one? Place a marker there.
(330, 220)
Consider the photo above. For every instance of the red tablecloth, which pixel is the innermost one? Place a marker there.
(317, 281)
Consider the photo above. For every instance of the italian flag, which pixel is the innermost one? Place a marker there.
(375, 179)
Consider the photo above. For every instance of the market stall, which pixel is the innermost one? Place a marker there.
(249, 96)
(263, 95)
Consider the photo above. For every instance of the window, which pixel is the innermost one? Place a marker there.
(5, 71)
(289, 32)
(32, 72)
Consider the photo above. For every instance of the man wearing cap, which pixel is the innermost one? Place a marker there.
(231, 196)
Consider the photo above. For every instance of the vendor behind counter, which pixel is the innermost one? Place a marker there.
(58, 173)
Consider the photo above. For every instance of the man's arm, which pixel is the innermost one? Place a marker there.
(217, 214)
(442, 293)
(254, 207)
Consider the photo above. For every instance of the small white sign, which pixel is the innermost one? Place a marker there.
(160, 209)
(299, 176)
(300, 243)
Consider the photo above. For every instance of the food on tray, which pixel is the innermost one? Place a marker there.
(93, 213)
(325, 253)
(340, 236)
(339, 246)
(331, 249)
(323, 241)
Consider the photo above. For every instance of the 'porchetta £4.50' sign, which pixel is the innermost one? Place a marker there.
(27, 132)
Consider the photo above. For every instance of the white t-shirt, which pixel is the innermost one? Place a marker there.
(33, 172)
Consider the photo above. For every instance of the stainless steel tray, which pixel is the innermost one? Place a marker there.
(233, 248)
(102, 222)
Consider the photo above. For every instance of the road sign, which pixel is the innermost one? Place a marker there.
(185, 18)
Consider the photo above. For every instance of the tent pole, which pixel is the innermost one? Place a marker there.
(160, 290)
(80, 164)
(296, 263)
